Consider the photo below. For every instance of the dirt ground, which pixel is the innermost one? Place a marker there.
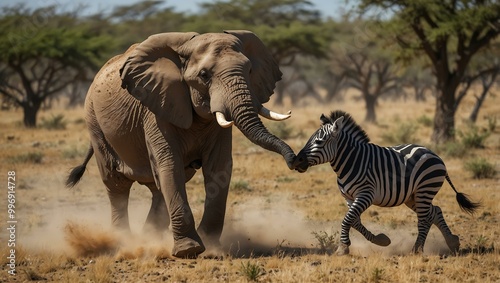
(281, 226)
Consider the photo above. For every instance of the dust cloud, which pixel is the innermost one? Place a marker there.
(256, 227)
(87, 232)
(261, 228)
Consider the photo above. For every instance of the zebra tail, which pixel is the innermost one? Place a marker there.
(76, 173)
(463, 201)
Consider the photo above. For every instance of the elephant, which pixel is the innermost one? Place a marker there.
(164, 109)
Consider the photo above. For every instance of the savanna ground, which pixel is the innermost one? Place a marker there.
(281, 226)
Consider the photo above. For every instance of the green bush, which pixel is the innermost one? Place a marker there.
(239, 186)
(377, 274)
(285, 179)
(56, 122)
(325, 241)
(492, 123)
(480, 168)
(453, 149)
(474, 137)
(425, 121)
(79, 121)
(30, 157)
(403, 133)
(74, 152)
(252, 271)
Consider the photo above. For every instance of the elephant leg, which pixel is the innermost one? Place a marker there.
(187, 242)
(158, 219)
(169, 173)
(117, 184)
(118, 188)
(217, 177)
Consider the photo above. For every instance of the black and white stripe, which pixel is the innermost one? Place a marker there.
(384, 176)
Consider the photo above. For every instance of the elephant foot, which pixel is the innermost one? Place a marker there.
(453, 242)
(187, 248)
(343, 249)
(381, 240)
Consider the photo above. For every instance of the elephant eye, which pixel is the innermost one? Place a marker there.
(204, 75)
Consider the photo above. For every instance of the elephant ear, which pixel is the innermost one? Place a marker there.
(265, 70)
(152, 74)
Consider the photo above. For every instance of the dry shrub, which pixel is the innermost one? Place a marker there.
(89, 241)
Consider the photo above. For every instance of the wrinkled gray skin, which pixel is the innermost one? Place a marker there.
(150, 114)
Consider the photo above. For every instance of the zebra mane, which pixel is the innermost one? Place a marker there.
(350, 126)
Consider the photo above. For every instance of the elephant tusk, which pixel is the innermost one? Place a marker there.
(222, 120)
(264, 112)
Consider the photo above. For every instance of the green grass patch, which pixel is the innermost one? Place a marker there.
(425, 121)
(56, 122)
(239, 186)
(74, 152)
(473, 137)
(251, 271)
(402, 134)
(480, 168)
(30, 157)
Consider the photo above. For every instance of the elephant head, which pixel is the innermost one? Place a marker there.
(223, 76)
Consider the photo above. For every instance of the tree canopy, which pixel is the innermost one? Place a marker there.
(45, 51)
(449, 33)
(42, 52)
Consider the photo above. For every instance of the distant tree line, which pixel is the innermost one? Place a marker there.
(383, 49)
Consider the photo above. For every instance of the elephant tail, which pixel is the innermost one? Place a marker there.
(76, 173)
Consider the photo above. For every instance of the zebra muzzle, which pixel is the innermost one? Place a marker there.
(300, 163)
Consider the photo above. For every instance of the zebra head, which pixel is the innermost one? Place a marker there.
(320, 148)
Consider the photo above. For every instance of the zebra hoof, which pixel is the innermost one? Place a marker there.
(381, 240)
(343, 249)
(417, 249)
(453, 243)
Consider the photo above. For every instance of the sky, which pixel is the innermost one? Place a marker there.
(328, 8)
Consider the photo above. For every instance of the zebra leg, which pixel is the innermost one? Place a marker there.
(453, 241)
(380, 239)
(425, 215)
(360, 204)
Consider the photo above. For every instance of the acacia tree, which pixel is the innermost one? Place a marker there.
(485, 68)
(41, 53)
(449, 33)
(365, 62)
(419, 79)
(134, 23)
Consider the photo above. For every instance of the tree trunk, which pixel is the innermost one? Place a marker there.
(370, 102)
(30, 111)
(444, 118)
(486, 88)
(477, 106)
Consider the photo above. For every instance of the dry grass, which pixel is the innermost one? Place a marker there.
(273, 218)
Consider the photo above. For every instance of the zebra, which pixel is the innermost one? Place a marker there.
(384, 176)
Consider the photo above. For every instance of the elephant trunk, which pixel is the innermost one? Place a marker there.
(248, 122)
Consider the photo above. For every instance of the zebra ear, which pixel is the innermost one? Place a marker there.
(338, 124)
(324, 119)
